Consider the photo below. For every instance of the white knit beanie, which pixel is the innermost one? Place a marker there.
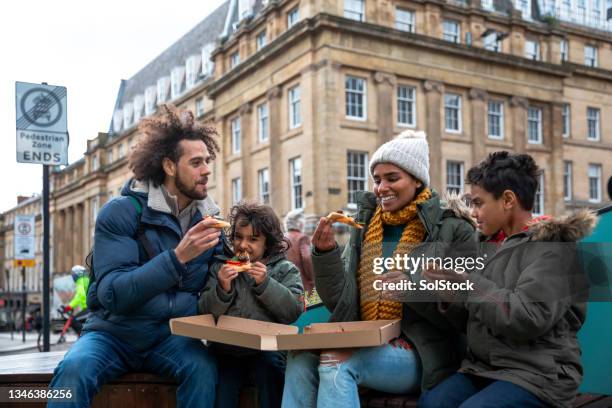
(409, 151)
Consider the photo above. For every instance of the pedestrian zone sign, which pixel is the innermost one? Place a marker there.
(42, 135)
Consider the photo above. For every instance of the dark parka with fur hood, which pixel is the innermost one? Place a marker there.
(528, 303)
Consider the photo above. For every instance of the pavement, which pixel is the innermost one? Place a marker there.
(17, 346)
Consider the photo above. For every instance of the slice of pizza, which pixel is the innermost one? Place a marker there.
(220, 222)
(339, 216)
(240, 262)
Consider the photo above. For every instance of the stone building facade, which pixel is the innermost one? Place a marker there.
(303, 91)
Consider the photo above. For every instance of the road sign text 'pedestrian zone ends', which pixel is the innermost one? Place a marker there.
(42, 136)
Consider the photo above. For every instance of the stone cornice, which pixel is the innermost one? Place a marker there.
(324, 21)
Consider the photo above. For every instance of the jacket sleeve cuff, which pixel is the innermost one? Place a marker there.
(224, 296)
(483, 290)
(180, 268)
(259, 289)
(316, 252)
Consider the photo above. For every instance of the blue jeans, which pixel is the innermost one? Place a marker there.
(468, 391)
(98, 357)
(386, 368)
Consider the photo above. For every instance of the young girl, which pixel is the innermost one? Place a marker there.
(271, 290)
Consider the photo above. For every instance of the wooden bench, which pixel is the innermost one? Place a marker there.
(137, 390)
(130, 391)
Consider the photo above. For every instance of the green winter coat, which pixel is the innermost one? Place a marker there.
(526, 308)
(440, 346)
(79, 300)
(279, 298)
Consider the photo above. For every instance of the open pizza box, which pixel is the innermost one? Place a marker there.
(260, 335)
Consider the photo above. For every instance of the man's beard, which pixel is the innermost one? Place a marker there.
(192, 193)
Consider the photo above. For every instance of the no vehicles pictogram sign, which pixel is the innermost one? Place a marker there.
(42, 135)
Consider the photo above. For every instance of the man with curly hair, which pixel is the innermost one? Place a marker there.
(151, 258)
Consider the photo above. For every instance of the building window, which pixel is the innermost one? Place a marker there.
(94, 163)
(355, 98)
(261, 40)
(487, 5)
(236, 135)
(532, 50)
(452, 113)
(199, 107)
(564, 49)
(492, 42)
(496, 120)
(234, 59)
(236, 190)
(95, 205)
(534, 125)
(538, 204)
(566, 120)
(263, 176)
(524, 6)
(354, 9)
(293, 17)
(454, 177)
(192, 69)
(451, 31)
(207, 65)
(295, 117)
(109, 157)
(595, 183)
(406, 106)
(121, 150)
(176, 78)
(404, 20)
(357, 176)
(593, 124)
(163, 84)
(150, 95)
(128, 112)
(295, 174)
(567, 180)
(263, 130)
(590, 56)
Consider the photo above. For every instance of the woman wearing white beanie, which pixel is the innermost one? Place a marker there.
(402, 212)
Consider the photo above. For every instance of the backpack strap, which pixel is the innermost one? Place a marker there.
(140, 235)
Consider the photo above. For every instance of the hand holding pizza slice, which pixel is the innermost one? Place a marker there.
(339, 216)
(240, 262)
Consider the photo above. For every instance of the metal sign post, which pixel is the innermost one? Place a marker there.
(42, 138)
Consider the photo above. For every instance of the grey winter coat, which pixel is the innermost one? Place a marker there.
(279, 298)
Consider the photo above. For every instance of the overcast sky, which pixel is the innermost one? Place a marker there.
(88, 47)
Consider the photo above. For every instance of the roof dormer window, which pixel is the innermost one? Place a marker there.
(192, 67)
(128, 112)
(138, 107)
(150, 97)
(163, 87)
(176, 78)
(117, 120)
(207, 64)
(245, 8)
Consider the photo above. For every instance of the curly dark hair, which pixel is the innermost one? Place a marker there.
(264, 221)
(161, 136)
(502, 171)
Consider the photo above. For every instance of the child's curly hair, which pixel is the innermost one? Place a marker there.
(161, 135)
(264, 221)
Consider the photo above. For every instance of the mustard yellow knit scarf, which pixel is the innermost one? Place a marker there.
(372, 306)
